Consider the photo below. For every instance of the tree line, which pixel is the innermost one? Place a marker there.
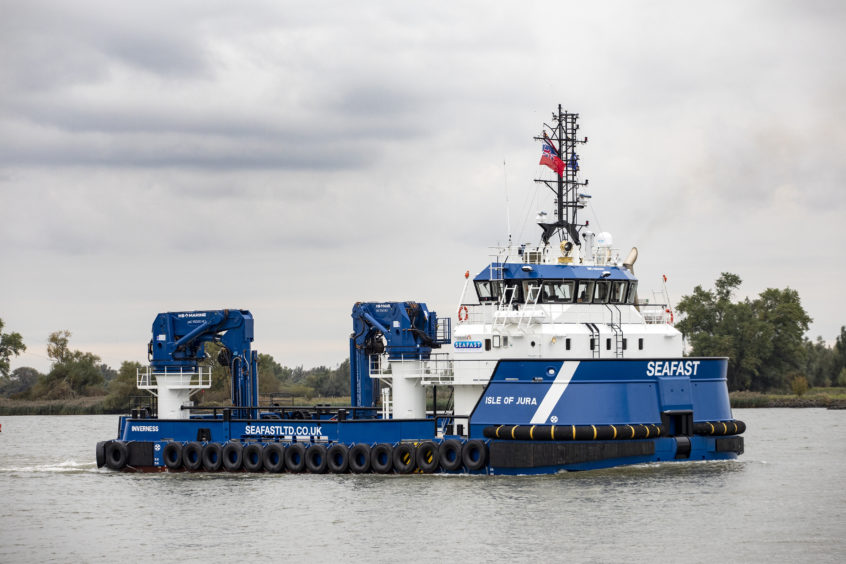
(75, 374)
(764, 338)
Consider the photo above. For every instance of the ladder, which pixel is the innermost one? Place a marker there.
(594, 338)
(617, 328)
(531, 300)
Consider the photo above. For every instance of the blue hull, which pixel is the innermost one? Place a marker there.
(536, 416)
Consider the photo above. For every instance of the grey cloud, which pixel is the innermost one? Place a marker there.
(295, 157)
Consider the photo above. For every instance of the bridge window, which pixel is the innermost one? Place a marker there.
(618, 292)
(584, 291)
(557, 291)
(487, 290)
(630, 299)
(600, 296)
(513, 293)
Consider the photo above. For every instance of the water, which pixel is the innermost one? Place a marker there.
(783, 501)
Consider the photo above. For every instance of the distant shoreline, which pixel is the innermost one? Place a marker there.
(831, 398)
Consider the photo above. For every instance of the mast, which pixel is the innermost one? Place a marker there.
(562, 135)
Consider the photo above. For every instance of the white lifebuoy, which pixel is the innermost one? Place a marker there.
(463, 314)
(671, 321)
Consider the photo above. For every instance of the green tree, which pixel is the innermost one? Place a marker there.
(122, 387)
(11, 344)
(20, 381)
(819, 363)
(57, 345)
(270, 374)
(219, 393)
(782, 312)
(74, 373)
(840, 352)
(763, 338)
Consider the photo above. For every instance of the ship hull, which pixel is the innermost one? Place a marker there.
(535, 416)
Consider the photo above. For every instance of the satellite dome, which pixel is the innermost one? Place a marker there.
(604, 240)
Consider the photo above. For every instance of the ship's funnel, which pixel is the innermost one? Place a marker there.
(628, 264)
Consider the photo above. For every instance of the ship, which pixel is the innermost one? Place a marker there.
(554, 364)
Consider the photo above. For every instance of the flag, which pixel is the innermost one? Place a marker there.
(550, 157)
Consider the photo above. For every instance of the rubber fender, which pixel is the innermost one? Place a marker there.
(359, 458)
(682, 447)
(474, 454)
(192, 456)
(381, 458)
(574, 432)
(100, 453)
(233, 456)
(338, 458)
(295, 457)
(450, 455)
(273, 458)
(253, 461)
(116, 454)
(404, 458)
(428, 457)
(172, 455)
(719, 428)
(316, 460)
(212, 457)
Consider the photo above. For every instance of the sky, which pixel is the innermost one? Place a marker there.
(293, 158)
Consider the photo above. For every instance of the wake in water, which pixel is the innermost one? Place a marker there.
(65, 467)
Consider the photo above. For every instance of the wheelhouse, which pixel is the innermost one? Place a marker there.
(554, 284)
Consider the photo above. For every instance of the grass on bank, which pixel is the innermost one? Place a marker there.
(815, 397)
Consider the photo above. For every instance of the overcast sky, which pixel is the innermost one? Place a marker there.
(292, 158)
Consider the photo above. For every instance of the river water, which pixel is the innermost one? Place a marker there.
(782, 501)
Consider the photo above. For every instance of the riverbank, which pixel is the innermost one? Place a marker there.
(832, 398)
(93, 405)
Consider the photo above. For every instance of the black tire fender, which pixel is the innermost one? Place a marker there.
(295, 457)
(428, 457)
(338, 458)
(172, 455)
(212, 457)
(450, 455)
(192, 456)
(381, 458)
(116, 455)
(273, 458)
(404, 458)
(233, 456)
(474, 454)
(100, 453)
(316, 460)
(253, 459)
(360, 458)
